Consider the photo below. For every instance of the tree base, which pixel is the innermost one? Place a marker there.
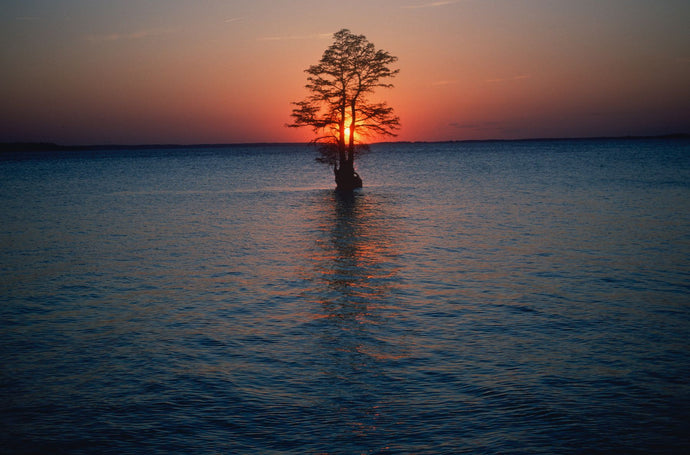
(347, 180)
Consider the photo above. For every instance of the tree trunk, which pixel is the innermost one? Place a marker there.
(346, 178)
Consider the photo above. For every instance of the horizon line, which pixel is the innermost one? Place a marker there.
(53, 146)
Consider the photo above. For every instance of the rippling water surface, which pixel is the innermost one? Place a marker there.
(517, 297)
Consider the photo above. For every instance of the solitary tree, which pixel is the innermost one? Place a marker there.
(339, 109)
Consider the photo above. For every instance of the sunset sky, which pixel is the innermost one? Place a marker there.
(225, 71)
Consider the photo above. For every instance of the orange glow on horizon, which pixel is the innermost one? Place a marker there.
(358, 136)
(222, 76)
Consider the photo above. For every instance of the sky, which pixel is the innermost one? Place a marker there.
(226, 71)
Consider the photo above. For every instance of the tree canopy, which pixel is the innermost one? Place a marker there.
(339, 108)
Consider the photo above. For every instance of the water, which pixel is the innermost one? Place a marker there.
(505, 297)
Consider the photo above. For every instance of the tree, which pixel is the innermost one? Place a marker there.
(339, 109)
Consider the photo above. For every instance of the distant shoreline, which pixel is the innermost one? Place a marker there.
(53, 147)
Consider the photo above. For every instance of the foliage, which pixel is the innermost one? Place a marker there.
(339, 109)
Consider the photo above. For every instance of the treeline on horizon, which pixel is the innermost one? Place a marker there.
(14, 147)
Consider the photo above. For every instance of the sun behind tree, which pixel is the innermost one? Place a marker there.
(339, 110)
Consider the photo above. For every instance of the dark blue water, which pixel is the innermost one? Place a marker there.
(506, 297)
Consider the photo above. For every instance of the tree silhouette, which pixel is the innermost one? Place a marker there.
(339, 109)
